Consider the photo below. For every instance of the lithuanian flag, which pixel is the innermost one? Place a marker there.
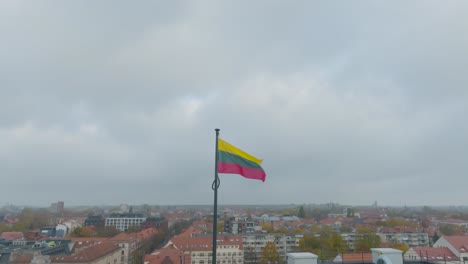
(237, 161)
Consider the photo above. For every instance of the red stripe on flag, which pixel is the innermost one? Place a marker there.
(250, 173)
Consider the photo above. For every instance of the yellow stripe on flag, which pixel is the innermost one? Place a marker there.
(224, 146)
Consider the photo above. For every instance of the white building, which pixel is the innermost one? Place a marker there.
(411, 239)
(441, 255)
(228, 248)
(123, 221)
(254, 243)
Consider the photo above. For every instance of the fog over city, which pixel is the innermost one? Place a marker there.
(110, 102)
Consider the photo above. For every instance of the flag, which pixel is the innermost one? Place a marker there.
(237, 161)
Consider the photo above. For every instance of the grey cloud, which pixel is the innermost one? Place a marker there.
(346, 102)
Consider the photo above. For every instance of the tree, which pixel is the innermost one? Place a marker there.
(331, 243)
(400, 246)
(82, 232)
(327, 244)
(4, 228)
(366, 239)
(268, 228)
(309, 243)
(435, 237)
(451, 230)
(315, 228)
(106, 231)
(301, 213)
(220, 226)
(269, 254)
(392, 222)
(133, 229)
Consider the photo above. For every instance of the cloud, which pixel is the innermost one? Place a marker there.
(346, 103)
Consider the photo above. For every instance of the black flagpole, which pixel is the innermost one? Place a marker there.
(215, 187)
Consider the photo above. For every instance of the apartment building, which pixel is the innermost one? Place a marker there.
(254, 243)
(229, 248)
(124, 221)
(410, 236)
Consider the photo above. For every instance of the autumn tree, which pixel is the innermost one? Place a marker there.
(392, 222)
(399, 246)
(268, 227)
(106, 231)
(331, 243)
(269, 254)
(31, 219)
(309, 243)
(366, 239)
(82, 232)
(451, 230)
(326, 244)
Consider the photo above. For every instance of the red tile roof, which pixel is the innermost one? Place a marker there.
(204, 243)
(21, 258)
(458, 242)
(139, 236)
(355, 257)
(166, 253)
(88, 254)
(435, 253)
(12, 235)
(400, 229)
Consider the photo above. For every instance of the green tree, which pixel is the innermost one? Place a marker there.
(435, 237)
(366, 239)
(301, 213)
(269, 254)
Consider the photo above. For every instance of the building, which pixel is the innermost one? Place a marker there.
(458, 245)
(10, 236)
(155, 222)
(57, 207)
(301, 258)
(441, 255)
(102, 253)
(131, 244)
(124, 221)
(236, 226)
(61, 230)
(362, 257)
(412, 237)
(254, 243)
(168, 255)
(229, 248)
(94, 220)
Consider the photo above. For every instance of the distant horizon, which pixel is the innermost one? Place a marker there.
(291, 205)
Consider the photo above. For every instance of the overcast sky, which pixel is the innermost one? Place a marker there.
(110, 102)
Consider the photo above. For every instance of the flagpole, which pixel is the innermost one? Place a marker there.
(215, 187)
